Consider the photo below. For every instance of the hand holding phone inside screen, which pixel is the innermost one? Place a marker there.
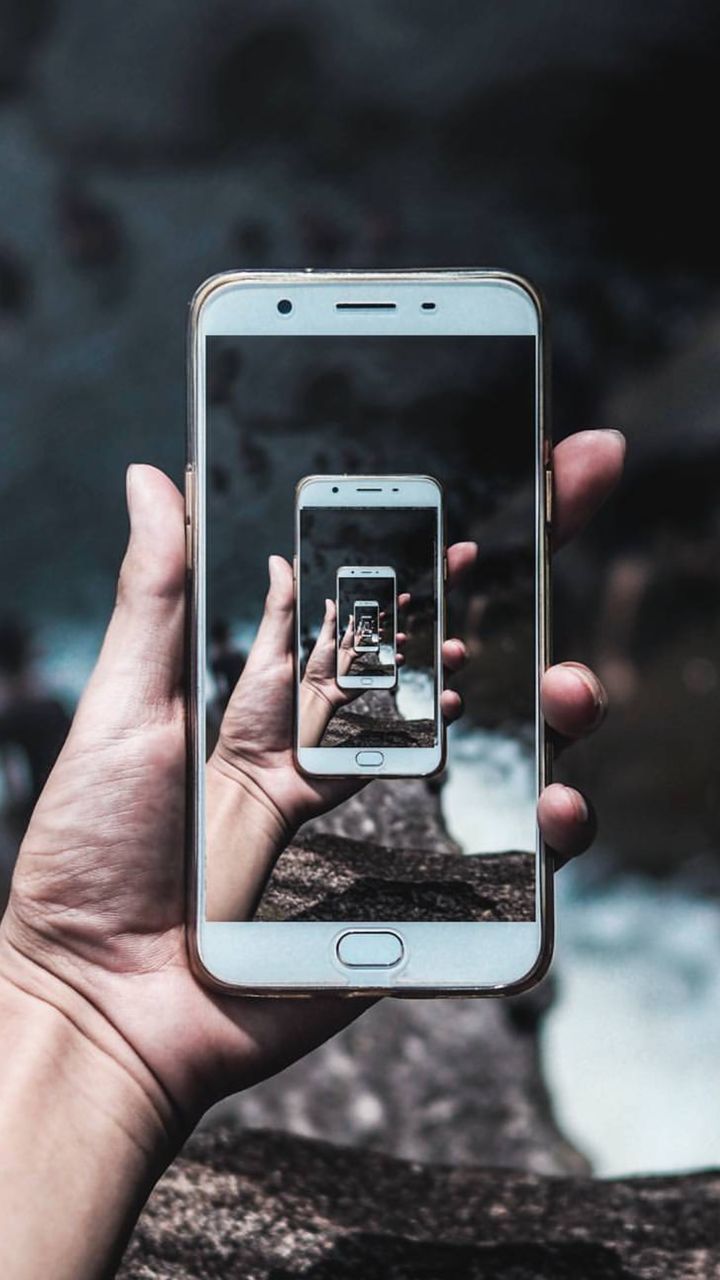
(345, 661)
(255, 745)
(377, 543)
(367, 646)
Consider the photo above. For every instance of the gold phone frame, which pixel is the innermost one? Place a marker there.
(544, 492)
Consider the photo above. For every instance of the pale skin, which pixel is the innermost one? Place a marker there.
(112, 1048)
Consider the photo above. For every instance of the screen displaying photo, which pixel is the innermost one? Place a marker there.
(366, 607)
(460, 845)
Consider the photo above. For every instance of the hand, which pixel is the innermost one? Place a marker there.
(93, 940)
(255, 748)
(327, 663)
(252, 780)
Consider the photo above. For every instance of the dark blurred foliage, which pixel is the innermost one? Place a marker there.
(145, 147)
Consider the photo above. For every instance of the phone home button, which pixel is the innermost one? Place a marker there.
(370, 949)
(369, 759)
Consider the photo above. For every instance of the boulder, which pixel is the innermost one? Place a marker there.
(349, 728)
(450, 1081)
(334, 878)
(398, 815)
(272, 1207)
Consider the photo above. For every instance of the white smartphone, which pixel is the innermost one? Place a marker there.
(366, 622)
(341, 731)
(367, 426)
(366, 629)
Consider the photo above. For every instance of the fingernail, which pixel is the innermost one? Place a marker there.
(129, 487)
(612, 431)
(134, 496)
(592, 686)
(579, 804)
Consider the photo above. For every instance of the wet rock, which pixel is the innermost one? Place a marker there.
(261, 1205)
(399, 816)
(331, 878)
(449, 1081)
(349, 728)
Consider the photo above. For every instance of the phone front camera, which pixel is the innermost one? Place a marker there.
(335, 489)
(284, 306)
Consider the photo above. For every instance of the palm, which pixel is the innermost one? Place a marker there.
(95, 922)
(98, 896)
(255, 740)
(255, 745)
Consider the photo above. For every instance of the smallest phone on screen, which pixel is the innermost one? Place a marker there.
(369, 586)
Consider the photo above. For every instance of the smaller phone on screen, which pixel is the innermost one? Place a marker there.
(366, 612)
(375, 543)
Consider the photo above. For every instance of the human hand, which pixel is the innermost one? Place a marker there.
(255, 749)
(253, 783)
(328, 662)
(94, 934)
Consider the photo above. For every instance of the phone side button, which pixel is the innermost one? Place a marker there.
(378, 949)
(548, 495)
(369, 759)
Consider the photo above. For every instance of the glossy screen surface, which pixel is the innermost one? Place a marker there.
(352, 639)
(460, 845)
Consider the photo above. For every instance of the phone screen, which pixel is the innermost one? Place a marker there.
(461, 845)
(365, 632)
(347, 694)
(365, 621)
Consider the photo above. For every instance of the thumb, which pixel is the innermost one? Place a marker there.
(273, 642)
(324, 646)
(138, 675)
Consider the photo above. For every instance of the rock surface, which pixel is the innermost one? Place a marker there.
(450, 1081)
(265, 1206)
(331, 878)
(352, 728)
(403, 814)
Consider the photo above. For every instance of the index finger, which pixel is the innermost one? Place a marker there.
(586, 468)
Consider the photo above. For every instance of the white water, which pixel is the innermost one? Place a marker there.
(631, 1047)
(488, 802)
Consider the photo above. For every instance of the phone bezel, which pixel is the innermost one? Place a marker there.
(345, 492)
(299, 958)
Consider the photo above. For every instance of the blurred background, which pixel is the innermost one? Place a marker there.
(144, 148)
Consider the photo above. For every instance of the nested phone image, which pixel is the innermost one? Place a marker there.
(366, 628)
(366, 624)
(368, 512)
(349, 725)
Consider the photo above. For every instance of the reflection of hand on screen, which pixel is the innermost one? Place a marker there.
(320, 693)
(257, 797)
(346, 648)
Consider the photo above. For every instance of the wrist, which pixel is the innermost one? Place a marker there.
(84, 1131)
(315, 711)
(245, 834)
